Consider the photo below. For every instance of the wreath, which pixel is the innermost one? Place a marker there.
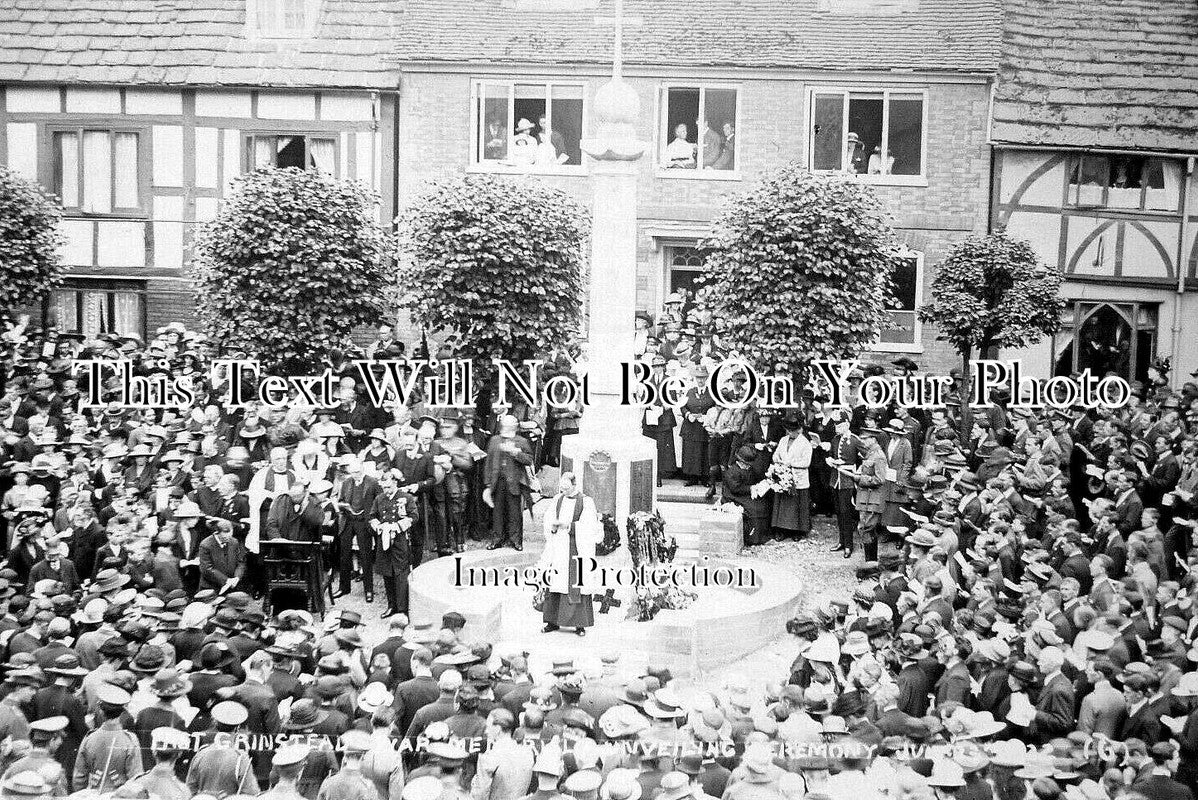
(611, 536)
(648, 544)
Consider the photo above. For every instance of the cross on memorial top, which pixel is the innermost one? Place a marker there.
(618, 21)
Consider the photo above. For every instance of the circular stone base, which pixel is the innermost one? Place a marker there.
(723, 625)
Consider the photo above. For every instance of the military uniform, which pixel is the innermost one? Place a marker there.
(282, 792)
(395, 515)
(162, 784)
(348, 784)
(109, 745)
(221, 771)
(289, 756)
(40, 761)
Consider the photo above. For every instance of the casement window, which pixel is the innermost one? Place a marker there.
(96, 307)
(281, 19)
(684, 270)
(699, 127)
(878, 133)
(315, 151)
(1125, 181)
(902, 332)
(98, 171)
(527, 126)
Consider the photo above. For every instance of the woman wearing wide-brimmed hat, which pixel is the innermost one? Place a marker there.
(27, 548)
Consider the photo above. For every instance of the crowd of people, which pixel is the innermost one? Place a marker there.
(1022, 626)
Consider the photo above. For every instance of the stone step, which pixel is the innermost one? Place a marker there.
(697, 527)
(703, 528)
(674, 492)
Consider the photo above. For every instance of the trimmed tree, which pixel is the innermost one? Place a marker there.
(29, 241)
(30, 266)
(798, 269)
(293, 262)
(497, 263)
(992, 292)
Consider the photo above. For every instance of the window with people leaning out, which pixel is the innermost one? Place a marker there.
(1125, 181)
(699, 128)
(877, 133)
(529, 126)
(292, 150)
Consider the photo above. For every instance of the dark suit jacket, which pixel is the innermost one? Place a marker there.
(413, 695)
(737, 484)
(358, 418)
(263, 705)
(1128, 512)
(954, 685)
(218, 564)
(914, 685)
(284, 522)
(1062, 625)
(508, 467)
(188, 550)
(209, 500)
(358, 498)
(894, 722)
(284, 685)
(1055, 710)
(1078, 567)
(753, 435)
(1162, 787)
(105, 554)
(417, 470)
(21, 561)
(995, 693)
(65, 574)
(1163, 478)
(1144, 725)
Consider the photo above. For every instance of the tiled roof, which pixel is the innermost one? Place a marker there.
(192, 42)
(937, 35)
(1111, 73)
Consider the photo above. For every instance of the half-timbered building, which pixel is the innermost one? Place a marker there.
(1094, 129)
(137, 115)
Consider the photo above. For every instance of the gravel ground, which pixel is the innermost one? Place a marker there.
(827, 574)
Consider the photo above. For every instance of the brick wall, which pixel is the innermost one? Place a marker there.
(436, 136)
(169, 301)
